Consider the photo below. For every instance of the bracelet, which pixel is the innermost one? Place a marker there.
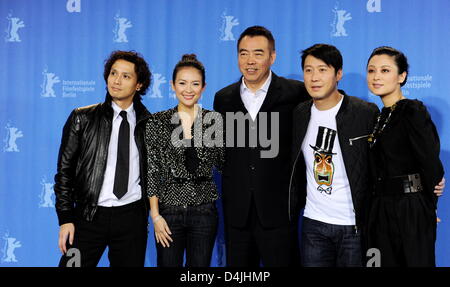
(157, 218)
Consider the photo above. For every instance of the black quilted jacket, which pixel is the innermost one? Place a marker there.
(355, 120)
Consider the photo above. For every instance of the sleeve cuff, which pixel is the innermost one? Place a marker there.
(65, 217)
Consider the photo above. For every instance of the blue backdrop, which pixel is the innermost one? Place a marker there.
(51, 61)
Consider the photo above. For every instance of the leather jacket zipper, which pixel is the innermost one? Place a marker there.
(78, 124)
(357, 138)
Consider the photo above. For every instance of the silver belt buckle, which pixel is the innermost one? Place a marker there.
(412, 184)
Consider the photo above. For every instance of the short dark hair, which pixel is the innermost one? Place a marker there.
(189, 60)
(258, 31)
(329, 54)
(400, 59)
(140, 68)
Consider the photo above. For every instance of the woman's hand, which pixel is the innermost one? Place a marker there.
(439, 189)
(162, 231)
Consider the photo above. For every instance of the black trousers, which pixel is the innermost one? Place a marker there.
(254, 244)
(403, 227)
(122, 229)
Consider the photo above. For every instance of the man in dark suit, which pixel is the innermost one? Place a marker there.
(255, 186)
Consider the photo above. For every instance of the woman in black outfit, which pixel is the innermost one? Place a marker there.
(405, 156)
(181, 158)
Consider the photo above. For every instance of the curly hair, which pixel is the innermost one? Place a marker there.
(140, 67)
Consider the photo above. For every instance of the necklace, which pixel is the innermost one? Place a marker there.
(377, 131)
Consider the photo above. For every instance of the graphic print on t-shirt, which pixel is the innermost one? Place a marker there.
(323, 159)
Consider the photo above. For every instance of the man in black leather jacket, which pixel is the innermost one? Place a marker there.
(330, 175)
(100, 195)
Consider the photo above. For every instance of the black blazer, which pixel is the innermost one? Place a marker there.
(247, 177)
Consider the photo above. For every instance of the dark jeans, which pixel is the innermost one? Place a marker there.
(194, 230)
(329, 245)
(123, 229)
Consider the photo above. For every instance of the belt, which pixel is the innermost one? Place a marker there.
(126, 207)
(196, 180)
(167, 208)
(409, 183)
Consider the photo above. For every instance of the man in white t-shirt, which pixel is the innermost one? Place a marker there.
(330, 177)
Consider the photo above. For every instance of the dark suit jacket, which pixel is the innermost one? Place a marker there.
(247, 177)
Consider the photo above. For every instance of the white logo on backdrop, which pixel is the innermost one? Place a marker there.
(46, 194)
(373, 6)
(9, 247)
(70, 88)
(417, 82)
(50, 79)
(340, 17)
(158, 80)
(122, 24)
(73, 6)
(228, 22)
(14, 24)
(12, 135)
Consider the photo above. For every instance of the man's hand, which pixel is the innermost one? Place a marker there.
(65, 230)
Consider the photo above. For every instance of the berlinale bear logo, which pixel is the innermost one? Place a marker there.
(14, 24)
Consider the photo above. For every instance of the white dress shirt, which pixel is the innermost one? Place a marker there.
(107, 197)
(253, 101)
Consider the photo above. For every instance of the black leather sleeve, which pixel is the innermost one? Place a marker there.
(66, 169)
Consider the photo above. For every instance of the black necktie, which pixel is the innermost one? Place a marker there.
(123, 158)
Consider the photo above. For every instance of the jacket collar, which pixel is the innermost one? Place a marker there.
(141, 111)
(305, 114)
(342, 109)
(271, 97)
(174, 111)
(272, 94)
(345, 108)
(264, 88)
